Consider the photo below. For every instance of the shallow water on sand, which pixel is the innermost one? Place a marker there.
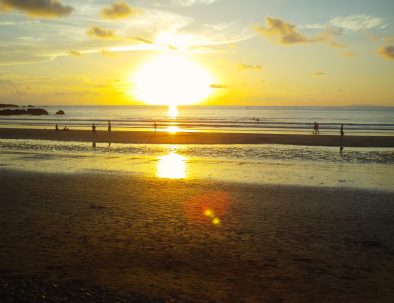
(260, 164)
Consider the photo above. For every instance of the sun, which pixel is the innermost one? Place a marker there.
(172, 79)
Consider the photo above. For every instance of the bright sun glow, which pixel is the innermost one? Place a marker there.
(172, 79)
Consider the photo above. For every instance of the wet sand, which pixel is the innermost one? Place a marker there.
(155, 237)
(196, 138)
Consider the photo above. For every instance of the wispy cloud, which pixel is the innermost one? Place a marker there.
(75, 53)
(102, 33)
(352, 23)
(387, 51)
(348, 54)
(119, 10)
(319, 74)
(357, 23)
(243, 66)
(186, 3)
(38, 8)
(218, 86)
(285, 33)
(108, 53)
(152, 30)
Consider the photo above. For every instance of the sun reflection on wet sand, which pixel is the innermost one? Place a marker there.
(172, 166)
(173, 129)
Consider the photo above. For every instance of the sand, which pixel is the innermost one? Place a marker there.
(155, 237)
(196, 138)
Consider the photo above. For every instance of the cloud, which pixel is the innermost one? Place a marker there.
(186, 3)
(354, 23)
(74, 53)
(143, 40)
(218, 86)
(249, 67)
(387, 51)
(348, 54)
(285, 33)
(108, 53)
(7, 83)
(357, 23)
(320, 74)
(38, 8)
(119, 10)
(102, 33)
(75, 93)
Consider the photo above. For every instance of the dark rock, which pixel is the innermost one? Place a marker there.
(8, 105)
(11, 112)
(30, 106)
(30, 111)
(60, 112)
(37, 111)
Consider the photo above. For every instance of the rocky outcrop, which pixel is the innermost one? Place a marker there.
(29, 111)
(36, 111)
(60, 112)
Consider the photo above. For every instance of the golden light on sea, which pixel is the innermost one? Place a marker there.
(172, 79)
(172, 111)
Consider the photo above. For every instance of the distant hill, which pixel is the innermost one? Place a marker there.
(8, 105)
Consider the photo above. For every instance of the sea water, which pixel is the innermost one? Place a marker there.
(246, 119)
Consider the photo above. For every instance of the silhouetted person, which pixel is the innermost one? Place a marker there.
(65, 128)
(93, 128)
(314, 128)
(109, 126)
(57, 127)
(155, 126)
(342, 132)
(317, 128)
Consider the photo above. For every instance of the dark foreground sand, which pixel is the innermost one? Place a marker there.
(151, 237)
(196, 138)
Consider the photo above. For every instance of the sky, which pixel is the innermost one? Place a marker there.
(250, 52)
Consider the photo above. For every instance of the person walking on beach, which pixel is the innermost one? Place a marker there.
(315, 128)
(57, 127)
(155, 126)
(109, 126)
(93, 128)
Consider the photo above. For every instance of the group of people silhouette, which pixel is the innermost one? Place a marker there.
(57, 128)
(109, 127)
(341, 132)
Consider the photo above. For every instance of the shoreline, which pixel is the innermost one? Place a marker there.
(144, 137)
(152, 237)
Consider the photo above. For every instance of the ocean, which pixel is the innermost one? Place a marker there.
(248, 119)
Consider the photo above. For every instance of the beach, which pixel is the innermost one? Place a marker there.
(195, 138)
(153, 237)
(135, 216)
